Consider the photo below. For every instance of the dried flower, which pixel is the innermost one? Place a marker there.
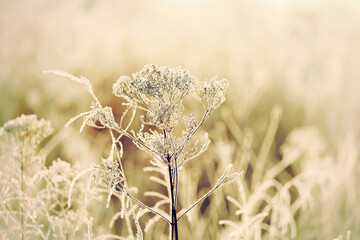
(123, 88)
(29, 128)
(213, 92)
(166, 117)
(190, 124)
(158, 92)
(158, 82)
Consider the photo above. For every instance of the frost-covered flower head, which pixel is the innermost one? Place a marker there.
(29, 128)
(157, 82)
(213, 92)
(160, 91)
(20, 138)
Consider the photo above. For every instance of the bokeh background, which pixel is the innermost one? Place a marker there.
(294, 73)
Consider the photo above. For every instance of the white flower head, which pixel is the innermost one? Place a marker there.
(29, 128)
(213, 92)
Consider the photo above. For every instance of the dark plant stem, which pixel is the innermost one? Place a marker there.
(173, 185)
(174, 228)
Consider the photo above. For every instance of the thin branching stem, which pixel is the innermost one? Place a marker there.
(219, 183)
(176, 180)
(172, 179)
(174, 228)
(202, 198)
(181, 148)
(132, 138)
(147, 207)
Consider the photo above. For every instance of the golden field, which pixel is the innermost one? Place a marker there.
(290, 120)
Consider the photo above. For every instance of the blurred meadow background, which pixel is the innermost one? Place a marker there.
(290, 120)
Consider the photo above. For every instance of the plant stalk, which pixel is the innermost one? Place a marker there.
(173, 180)
(174, 227)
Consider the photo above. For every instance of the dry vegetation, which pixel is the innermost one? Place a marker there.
(290, 119)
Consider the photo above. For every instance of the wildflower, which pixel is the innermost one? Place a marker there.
(123, 88)
(190, 124)
(27, 127)
(213, 92)
(157, 83)
(108, 175)
(158, 92)
(166, 117)
(21, 138)
(100, 117)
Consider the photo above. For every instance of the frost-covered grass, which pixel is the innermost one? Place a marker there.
(274, 201)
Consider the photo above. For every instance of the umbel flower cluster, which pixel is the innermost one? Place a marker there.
(160, 90)
(25, 133)
(158, 94)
